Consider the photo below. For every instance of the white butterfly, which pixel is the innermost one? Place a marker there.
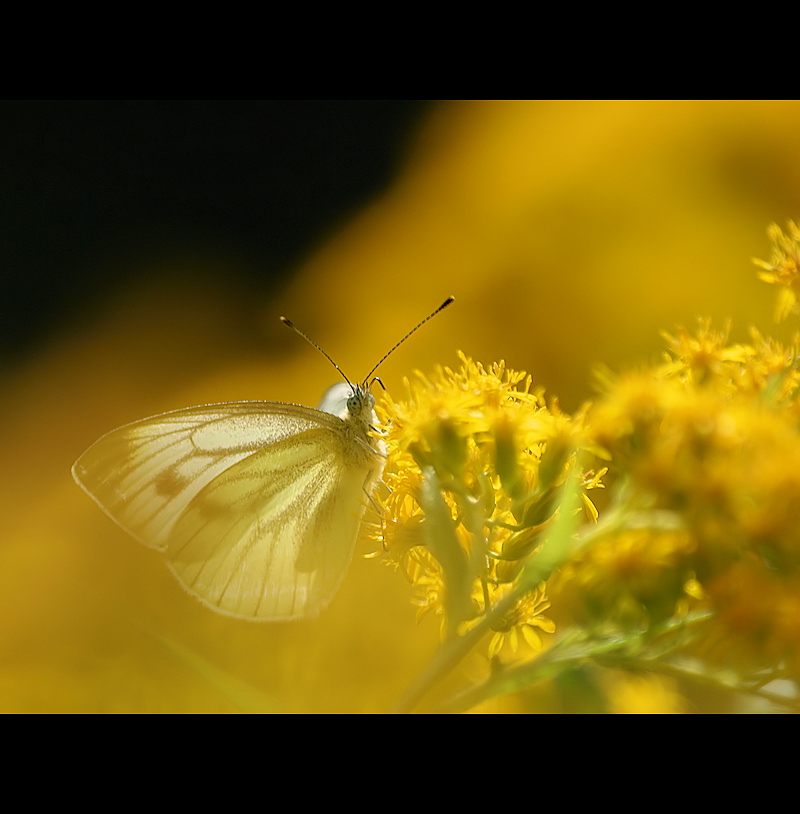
(256, 505)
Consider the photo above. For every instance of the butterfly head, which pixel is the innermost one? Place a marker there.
(346, 400)
(360, 400)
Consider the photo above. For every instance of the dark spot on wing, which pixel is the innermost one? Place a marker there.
(168, 483)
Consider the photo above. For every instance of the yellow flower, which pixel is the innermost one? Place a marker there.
(783, 268)
(705, 453)
(520, 626)
(475, 460)
(771, 370)
(635, 577)
(704, 357)
(757, 623)
(696, 552)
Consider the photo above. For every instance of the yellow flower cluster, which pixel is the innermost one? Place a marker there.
(705, 454)
(697, 548)
(475, 460)
(705, 478)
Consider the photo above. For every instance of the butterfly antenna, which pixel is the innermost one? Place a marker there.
(386, 356)
(312, 342)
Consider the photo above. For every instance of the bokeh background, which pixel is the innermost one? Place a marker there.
(148, 249)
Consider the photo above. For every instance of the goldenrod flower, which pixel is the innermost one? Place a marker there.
(696, 552)
(705, 452)
(635, 578)
(704, 357)
(521, 625)
(757, 622)
(474, 463)
(783, 268)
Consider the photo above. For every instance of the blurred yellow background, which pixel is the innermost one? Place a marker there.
(570, 233)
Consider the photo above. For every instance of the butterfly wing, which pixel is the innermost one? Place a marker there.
(256, 505)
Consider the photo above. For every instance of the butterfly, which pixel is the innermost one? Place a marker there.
(255, 505)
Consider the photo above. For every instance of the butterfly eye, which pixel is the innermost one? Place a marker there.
(354, 402)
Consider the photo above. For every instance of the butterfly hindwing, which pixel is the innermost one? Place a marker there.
(272, 536)
(256, 505)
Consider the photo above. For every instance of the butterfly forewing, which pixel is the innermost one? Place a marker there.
(256, 505)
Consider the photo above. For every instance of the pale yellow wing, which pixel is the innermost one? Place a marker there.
(256, 505)
(271, 538)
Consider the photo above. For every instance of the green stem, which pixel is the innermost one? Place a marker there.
(575, 647)
(555, 550)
